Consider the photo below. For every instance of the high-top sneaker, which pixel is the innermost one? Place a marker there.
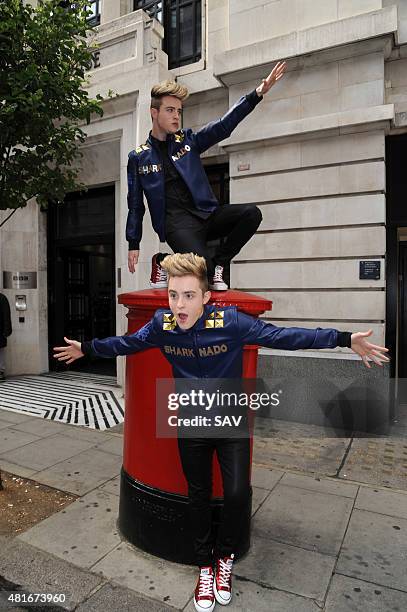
(218, 284)
(222, 587)
(158, 278)
(204, 599)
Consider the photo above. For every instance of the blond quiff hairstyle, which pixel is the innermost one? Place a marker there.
(167, 88)
(184, 264)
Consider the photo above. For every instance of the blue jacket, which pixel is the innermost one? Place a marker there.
(213, 347)
(145, 171)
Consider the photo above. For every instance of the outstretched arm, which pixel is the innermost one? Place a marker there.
(256, 331)
(218, 130)
(113, 346)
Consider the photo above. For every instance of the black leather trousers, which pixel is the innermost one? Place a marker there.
(236, 223)
(234, 460)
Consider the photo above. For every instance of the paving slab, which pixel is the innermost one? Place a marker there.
(259, 495)
(11, 439)
(321, 485)
(40, 427)
(79, 432)
(4, 423)
(83, 472)
(249, 596)
(265, 477)
(14, 417)
(150, 576)
(44, 452)
(82, 533)
(116, 598)
(392, 503)
(314, 455)
(17, 470)
(351, 595)
(114, 445)
(39, 572)
(112, 486)
(292, 569)
(380, 461)
(374, 549)
(308, 519)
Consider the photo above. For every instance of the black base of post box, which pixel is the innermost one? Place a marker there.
(158, 522)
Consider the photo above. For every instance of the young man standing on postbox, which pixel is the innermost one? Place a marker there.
(193, 326)
(184, 210)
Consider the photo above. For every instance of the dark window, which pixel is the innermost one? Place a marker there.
(182, 28)
(152, 7)
(94, 6)
(94, 18)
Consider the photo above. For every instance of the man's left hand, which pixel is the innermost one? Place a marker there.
(368, 351)
(276, 74)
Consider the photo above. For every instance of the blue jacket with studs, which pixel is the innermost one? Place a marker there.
(213, 347)
(145, 170)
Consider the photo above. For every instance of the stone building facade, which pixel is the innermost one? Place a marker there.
(314, 155)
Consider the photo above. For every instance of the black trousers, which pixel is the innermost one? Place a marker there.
(234, 460)
(236, 222)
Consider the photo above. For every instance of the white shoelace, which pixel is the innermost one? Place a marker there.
(161, 274)
(225, 570)
(205, 584)
(218, 276)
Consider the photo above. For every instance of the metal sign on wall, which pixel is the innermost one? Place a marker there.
(369, 269)
(19, 280)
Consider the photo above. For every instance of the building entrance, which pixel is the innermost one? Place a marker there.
(402, 366)
(81, 284)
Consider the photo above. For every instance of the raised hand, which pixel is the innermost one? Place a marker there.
(276, 74)
(368, 351)
(68, 353)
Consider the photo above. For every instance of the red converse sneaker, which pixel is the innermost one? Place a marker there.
(158, 278)
(204, 599)
(222, 587)
(218, 284)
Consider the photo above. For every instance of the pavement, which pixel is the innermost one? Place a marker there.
(329, 528)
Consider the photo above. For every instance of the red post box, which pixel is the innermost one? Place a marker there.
(153, 513)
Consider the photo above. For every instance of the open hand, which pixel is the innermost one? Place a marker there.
(276, 74)
(68, 353)
(369, 352)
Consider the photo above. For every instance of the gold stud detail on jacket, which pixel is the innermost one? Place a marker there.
(141, 148)
(215, 319)
(169, 321)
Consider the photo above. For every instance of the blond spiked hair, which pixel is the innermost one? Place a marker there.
(184, 264)
(167, 88)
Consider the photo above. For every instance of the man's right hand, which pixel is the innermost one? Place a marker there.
(68, 353)
(133, 259)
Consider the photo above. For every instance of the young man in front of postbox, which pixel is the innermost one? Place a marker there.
(192, 325)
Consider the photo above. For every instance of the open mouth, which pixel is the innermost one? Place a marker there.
(182, 317)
